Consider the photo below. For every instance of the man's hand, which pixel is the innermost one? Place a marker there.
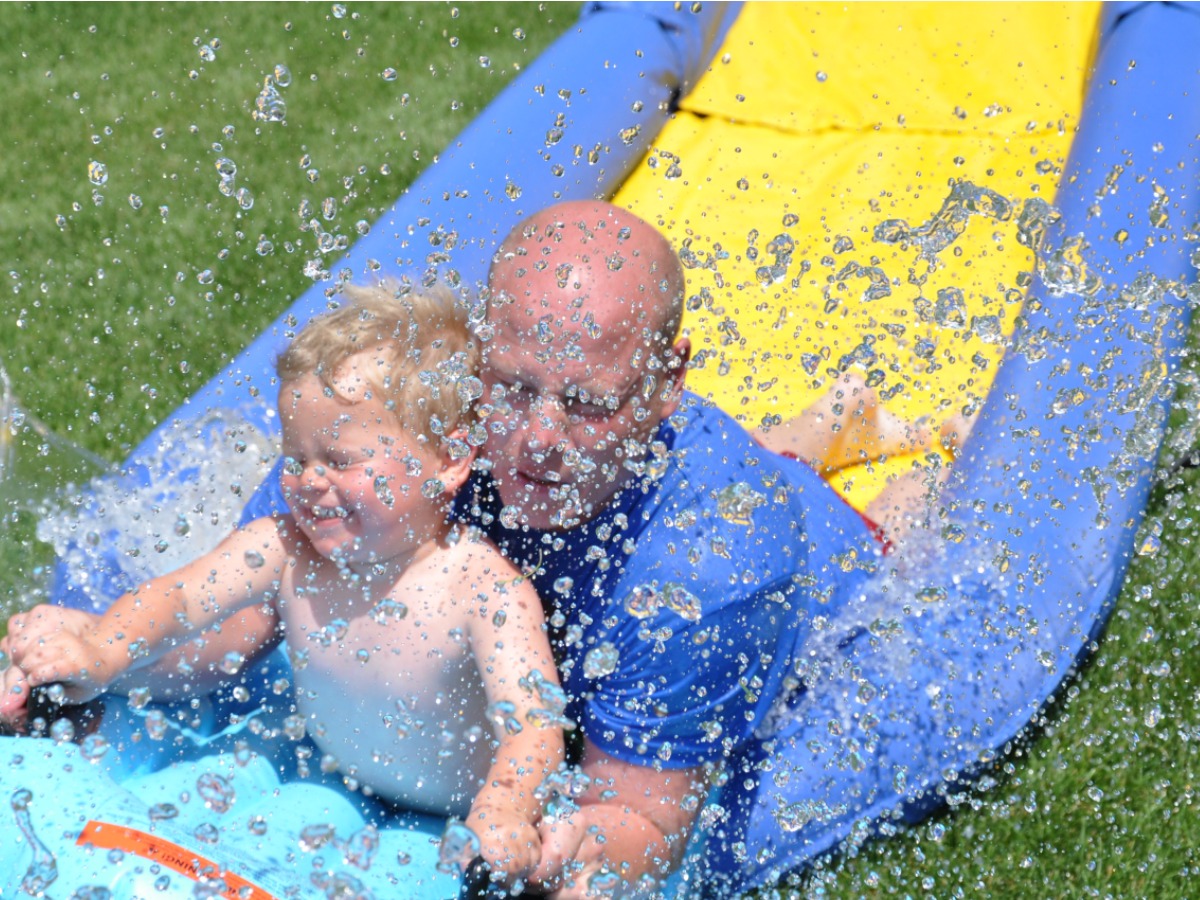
(632, 825)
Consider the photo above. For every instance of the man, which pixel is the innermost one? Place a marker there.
(680, 563)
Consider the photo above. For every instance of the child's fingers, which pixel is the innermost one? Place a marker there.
(14, 694)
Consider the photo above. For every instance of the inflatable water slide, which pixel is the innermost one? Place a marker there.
(981, 210)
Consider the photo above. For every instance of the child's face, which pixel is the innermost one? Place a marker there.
(353, 476)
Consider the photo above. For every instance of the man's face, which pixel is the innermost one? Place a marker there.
(573, 398)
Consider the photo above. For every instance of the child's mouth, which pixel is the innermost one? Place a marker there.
(328, 513)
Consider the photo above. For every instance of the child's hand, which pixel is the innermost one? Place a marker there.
(50, 644)
(508, 841)
(14, 700)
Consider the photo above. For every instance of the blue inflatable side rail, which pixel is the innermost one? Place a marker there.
(1046, 502)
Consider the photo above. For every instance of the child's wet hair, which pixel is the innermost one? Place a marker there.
(418, 341)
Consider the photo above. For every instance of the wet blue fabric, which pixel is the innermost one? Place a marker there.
(683, 602)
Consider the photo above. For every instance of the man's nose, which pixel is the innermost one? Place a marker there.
(546, 430)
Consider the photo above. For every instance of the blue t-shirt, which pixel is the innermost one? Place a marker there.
(675, 614)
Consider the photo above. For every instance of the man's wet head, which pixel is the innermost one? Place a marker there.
(584, 361)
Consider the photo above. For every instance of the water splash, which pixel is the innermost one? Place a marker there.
(948, 223)
(216, 792)
(43, 869)
(459, 845)
(169, 513)
(736, 503)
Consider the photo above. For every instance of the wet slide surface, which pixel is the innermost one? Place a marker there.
(817, 130)
(899, 248)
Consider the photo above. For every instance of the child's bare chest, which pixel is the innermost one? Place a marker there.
(341, 634)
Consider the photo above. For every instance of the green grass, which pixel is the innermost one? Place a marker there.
(106, 328)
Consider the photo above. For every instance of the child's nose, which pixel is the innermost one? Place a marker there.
(314, 476)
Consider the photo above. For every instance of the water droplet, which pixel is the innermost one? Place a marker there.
(384, 492)
(737, 502)
(682, 602)
(62, 731)
(932, 594)
(469, 389)
(97, 173)
(245, 198)
(155, 724)
(822, 77)
(433, 489)
(216, 792)
(459, 845)
(360, 850)
(601, 660)
(512, 190)
(206, 833)
(160, 812)
(643, 602)
(94, 746)
(339, 11)
(563, 585)
(510, 516)
(269, 105)
(743, 184)
(604, 884)
(314, 837)
(388, 74)
(205, 277)
(135, 201)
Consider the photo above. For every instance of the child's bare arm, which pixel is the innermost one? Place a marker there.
(513, 654)
(87, 654)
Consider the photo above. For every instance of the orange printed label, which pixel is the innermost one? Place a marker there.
(169, 854)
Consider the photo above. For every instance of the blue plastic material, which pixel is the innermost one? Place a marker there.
(1048, 498)
(76, 829)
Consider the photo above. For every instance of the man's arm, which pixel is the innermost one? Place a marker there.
(633, 823)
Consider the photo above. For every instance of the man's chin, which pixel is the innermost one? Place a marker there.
(540, 505)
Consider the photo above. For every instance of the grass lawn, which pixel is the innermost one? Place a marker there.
(127, 288)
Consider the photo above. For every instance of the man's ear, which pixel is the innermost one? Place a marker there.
(673, 381)
(455, 470)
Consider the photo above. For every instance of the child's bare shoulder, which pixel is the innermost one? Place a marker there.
(468, 550)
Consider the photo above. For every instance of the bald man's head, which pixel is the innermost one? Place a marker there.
(585, 306)
(599, 257)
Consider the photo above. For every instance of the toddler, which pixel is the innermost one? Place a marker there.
(422, 664)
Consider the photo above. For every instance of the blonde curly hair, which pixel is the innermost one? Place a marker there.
(425, 359)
